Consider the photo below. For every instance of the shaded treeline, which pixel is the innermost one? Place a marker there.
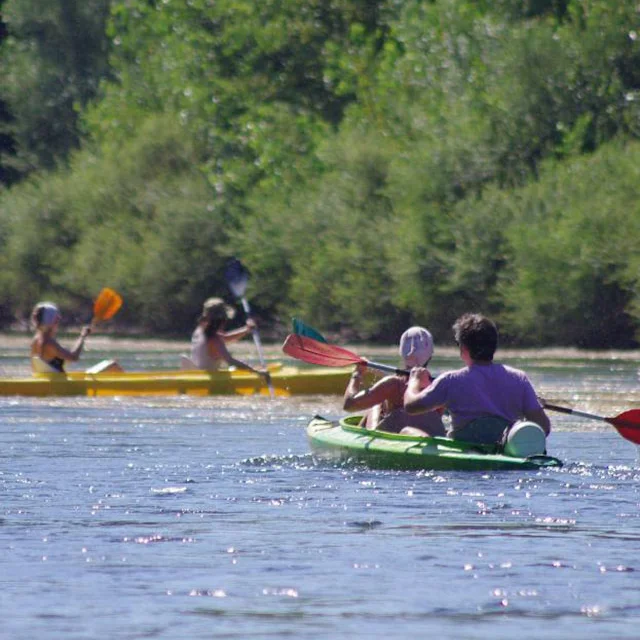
(373, 163)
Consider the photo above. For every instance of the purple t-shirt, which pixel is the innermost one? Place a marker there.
(482, 390)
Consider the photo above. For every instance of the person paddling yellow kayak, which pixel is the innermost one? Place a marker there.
(48, 355)
(45, 347)
(210, 338)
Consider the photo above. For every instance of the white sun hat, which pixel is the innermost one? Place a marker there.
(416, 347)
(49, 314)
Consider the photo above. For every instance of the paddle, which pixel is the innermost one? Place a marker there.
(627, 423)
(237, 278)
(329, 355)
(302, 329)
(105, 306)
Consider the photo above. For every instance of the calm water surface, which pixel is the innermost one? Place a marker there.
(208, 518)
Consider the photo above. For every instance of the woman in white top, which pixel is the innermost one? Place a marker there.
(209, 340)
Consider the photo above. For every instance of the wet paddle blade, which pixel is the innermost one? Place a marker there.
(106, 305)
(302, 329)
(237, 277)
(628, 425)
(315, 352)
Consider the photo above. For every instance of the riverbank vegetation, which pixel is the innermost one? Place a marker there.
(373, 163)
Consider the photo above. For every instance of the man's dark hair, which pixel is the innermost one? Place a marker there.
(478, 334)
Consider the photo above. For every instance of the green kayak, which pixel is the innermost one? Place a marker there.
(345, 440)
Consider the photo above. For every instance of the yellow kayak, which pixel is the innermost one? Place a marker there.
(286, 380)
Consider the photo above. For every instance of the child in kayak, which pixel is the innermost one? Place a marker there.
(385, 398)
(209, 339)
(484, 398)
(46, 352)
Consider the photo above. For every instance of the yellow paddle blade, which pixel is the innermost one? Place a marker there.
(106, 305)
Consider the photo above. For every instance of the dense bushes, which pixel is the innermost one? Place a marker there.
(374, 164)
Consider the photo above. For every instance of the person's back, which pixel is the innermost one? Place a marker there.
(200, 355)
(482, 390)
(208, 341)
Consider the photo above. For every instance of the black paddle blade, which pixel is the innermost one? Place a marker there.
(237, 277)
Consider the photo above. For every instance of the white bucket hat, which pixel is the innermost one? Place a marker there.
(416, 346)
(49, 314)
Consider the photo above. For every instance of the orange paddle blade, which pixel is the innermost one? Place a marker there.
(106, 305)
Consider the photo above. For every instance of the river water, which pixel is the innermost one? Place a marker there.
(185, 517)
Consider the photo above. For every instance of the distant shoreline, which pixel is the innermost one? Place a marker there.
(105, 342)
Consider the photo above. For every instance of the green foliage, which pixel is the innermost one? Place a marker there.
(50, 67)
(113, 221)
(569, 279)
(373, 163)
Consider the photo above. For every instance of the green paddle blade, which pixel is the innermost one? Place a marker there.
(302, 329)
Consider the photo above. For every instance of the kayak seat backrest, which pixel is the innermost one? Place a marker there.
(105, 366)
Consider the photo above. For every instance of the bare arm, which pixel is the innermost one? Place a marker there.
(237, 334)
(218, 350)
(419, 380)
(357, 399)
(53, 349)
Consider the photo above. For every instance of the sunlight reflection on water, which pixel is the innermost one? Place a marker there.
(209, 518)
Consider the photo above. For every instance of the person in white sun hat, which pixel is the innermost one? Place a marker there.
(383, 402)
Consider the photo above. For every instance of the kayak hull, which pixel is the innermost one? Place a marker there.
(286, 380)
(346, 441)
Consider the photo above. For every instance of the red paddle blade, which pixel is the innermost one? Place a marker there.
(314, 352)
(628, 425)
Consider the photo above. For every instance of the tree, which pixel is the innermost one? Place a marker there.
(51, 64)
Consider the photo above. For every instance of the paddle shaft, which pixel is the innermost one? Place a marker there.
(575, 412)
(384, 367)
(237, 278)
(258, 343)
(254, 332)
(627, 423)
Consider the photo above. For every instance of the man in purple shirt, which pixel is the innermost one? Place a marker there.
(483, 398)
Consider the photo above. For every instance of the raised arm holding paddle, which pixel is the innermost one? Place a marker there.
(47, 354)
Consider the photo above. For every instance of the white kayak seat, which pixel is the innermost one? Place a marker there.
(105, 366)
(38, 365)
(525, 439)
